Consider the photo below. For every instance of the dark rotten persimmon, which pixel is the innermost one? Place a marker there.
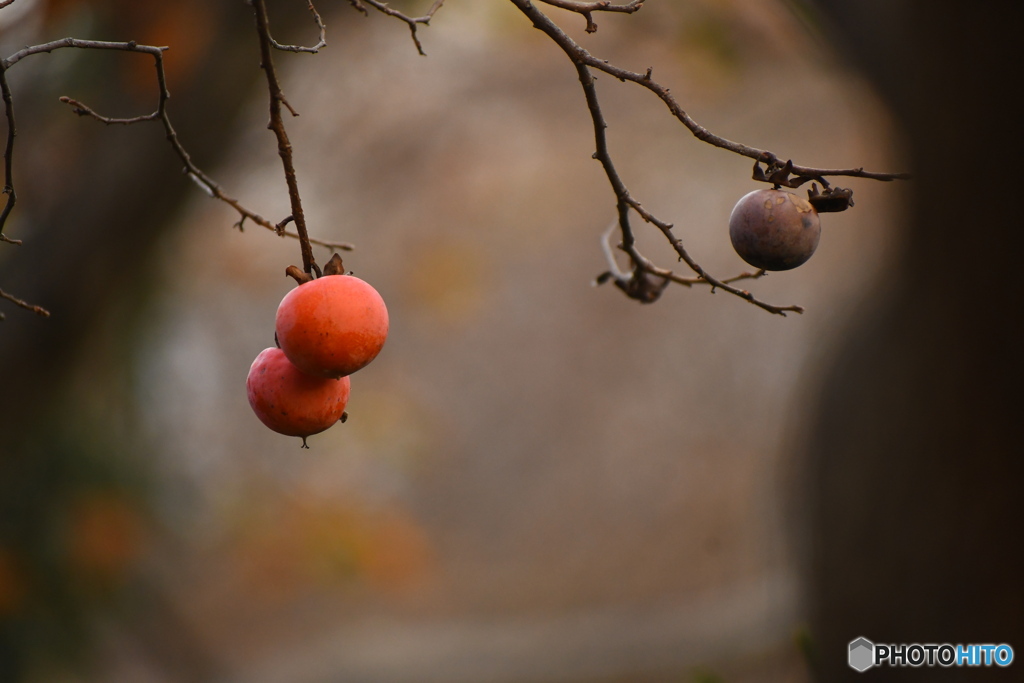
(774, 230)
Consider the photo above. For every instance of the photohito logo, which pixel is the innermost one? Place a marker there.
(863, 654)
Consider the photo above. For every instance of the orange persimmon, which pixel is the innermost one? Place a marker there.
(332, 326)
(289, 401)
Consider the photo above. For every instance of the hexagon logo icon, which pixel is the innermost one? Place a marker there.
(862, 654)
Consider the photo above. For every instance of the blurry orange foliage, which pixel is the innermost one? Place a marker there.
(187, 27)
(13, 586)
(104, 534)
(312, 543)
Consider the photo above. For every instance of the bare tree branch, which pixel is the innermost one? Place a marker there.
(579, 55)
(9, 103)
(12, 196)
(84, 110)
(602, 6)
(413, 22)
(130, 46)
(284, 146)
(322, 43)
(38, 310)
(646, 280)
(194, 172)
(161, 114)
(586, 9)
(617, 274)
(624, 200)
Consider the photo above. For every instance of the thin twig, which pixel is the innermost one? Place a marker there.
(284, 146)
(413, 22)
(322, 43)
(690, 281)
(616, 273)
(83, 110)
(756, 275)
(586, 9)
(5, 3)
(38, 310)
(602, 6)
(129, 46)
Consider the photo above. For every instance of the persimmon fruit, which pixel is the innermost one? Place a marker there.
(289, 401)
(332, 326)
(774, 229)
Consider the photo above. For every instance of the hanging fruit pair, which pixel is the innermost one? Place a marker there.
(326, 329)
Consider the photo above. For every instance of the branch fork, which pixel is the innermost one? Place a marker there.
(646, 281)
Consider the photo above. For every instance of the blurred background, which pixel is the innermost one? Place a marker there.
(539, 480)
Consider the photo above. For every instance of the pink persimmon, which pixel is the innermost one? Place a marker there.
(332, 326)
(289, 401)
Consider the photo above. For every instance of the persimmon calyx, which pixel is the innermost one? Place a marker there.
(333, 267)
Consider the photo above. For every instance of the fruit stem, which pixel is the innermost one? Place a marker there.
(299, 276)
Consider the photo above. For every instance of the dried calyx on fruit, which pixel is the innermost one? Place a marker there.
(830, 199)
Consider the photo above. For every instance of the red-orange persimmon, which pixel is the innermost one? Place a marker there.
(289, 401)
(332, 326)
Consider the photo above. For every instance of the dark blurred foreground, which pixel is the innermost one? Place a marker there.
(915, 463)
